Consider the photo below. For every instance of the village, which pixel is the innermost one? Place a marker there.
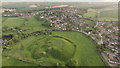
(104, 33)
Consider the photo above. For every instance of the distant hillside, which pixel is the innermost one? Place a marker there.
(75, 4)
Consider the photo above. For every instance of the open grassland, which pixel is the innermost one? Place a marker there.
(32, 25)
(91, 13)
(14, 62)
(86, 53)
(56, 49)
(13, 22)
(29, 24)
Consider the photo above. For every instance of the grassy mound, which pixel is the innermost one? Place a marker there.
(86, 53)
(36, 49)
(60, 48)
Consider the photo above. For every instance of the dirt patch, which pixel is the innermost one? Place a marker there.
(58, 6)
(33, 6)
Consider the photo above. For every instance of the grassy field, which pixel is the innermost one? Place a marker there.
(12, 62)
(103, 14)
(32, 25)
(13, 22)
(56, 49)
(108, 15)
(91, 13)
(86, 54)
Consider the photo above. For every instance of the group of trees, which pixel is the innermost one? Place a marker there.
(46, 22)
(21, 35)
(45, 32)
(5, 28)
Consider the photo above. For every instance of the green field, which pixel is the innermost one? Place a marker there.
(86, 54)
(91, 13)
(13, 22)
(58, 48)
(32, 25)
(29, 24)
(12, 62)
(103, 14)
(108, 15)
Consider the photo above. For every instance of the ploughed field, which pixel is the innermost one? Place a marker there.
(60, 48)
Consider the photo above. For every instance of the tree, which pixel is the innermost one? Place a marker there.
(16, 39)
(18, 28)
(10, 42)
(71, 62)
(69, 27)
(46, 24)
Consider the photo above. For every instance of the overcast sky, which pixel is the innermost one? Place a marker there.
(60, 0)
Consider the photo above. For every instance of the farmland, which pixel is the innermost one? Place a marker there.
(108, 15)
(102, 14)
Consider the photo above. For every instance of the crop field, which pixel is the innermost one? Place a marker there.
(58, 48)
(108, 15)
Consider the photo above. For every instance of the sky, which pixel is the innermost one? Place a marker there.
(60, 0)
